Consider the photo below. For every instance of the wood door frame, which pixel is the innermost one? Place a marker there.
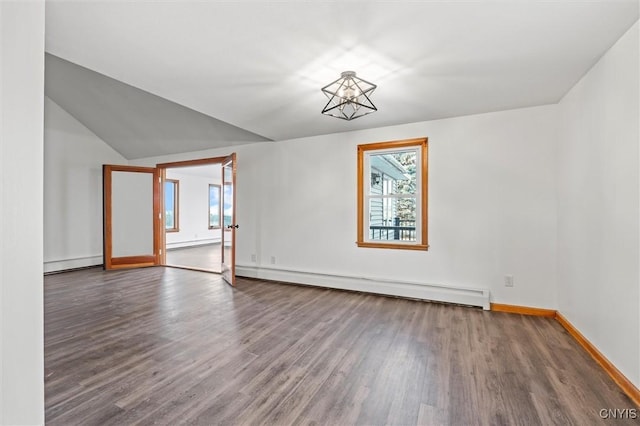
(107, 237)
(162, 168)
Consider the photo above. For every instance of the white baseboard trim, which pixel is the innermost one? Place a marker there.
(73, 263)
(435, 292)
(192, 243)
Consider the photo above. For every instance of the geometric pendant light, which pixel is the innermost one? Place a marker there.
(349, 97)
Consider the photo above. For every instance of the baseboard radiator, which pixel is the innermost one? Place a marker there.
(434, 292)
(72, 263)
(192, 243)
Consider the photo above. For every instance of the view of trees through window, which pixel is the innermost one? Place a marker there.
(406, 207)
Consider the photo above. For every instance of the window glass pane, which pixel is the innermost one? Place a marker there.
(392, 219)
(393, 173)
(169, 203)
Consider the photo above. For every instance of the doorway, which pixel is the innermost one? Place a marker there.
(143, 208)
(192, 212)
(208, 192)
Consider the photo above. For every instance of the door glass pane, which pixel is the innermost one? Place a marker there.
(228, 201)
(214, 206)
(228, 214)
(131, 213)
(171, 205)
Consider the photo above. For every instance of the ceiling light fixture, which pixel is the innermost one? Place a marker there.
(349, 97)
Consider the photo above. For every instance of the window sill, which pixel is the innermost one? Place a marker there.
(422, 247)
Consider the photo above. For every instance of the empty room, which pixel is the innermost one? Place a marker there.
(337, 213)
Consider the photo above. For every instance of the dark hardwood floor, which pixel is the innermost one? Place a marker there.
(171, 346)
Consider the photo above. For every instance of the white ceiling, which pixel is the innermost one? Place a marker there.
(259, 65)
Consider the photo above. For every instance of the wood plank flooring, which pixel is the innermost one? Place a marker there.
(170, 346)
(207, 257)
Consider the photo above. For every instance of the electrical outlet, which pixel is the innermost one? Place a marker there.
(253, 258)
(508, 280)
(273, 260)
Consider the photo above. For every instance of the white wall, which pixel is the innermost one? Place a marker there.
(21, 192)
(492, 207)
(193, 207)
(73, 159)
(598, 206)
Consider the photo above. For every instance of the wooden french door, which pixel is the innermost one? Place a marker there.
(132, 216)
(229, 224)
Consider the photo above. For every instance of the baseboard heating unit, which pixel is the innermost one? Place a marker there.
(435, 292)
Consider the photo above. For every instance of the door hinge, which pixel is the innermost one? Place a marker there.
(159, 179)
(160, 251)
(159, 216)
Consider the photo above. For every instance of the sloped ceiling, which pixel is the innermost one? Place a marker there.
(259, 65)
(135, 123)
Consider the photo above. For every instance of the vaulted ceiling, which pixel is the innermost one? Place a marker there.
(135, 123)
(182, 76)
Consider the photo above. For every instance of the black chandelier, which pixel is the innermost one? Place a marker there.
(349, 97)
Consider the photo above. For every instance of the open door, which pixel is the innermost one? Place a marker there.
(229, 225)
(131, 216)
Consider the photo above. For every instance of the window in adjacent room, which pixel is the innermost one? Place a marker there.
(171, 195)
(392, 194)
(214, 206)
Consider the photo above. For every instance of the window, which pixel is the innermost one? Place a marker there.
(214, 206)
(171, 205)
(392, 194)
